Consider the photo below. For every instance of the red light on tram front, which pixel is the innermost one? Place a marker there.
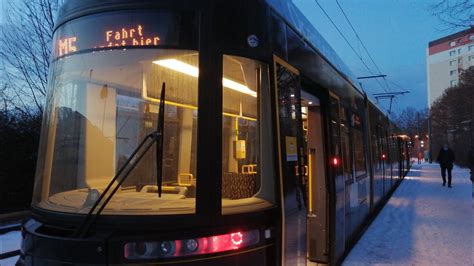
(237, 238)
(227, 242)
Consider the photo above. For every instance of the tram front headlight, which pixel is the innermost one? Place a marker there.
(167, 248)
(192, 245)
(142, 250)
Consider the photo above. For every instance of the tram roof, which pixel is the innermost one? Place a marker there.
(292, 14)
(298, 21)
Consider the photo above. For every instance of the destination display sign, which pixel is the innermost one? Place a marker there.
(127, 30)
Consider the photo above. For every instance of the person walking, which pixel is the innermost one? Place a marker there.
(471, 162)
(446, 159)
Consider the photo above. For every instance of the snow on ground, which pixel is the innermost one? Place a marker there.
(423, 223)
(9, 242)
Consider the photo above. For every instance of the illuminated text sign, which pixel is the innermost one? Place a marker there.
(139, 28)
(67, 45)
(133, 36)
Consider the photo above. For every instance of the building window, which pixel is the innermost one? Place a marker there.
(471, 58)
(453, 72)
(454, 82)
(471, 48)
(459, 61)
(471, 38)
(453, 43)
(459, 51)
(453, 52)
(452, 62)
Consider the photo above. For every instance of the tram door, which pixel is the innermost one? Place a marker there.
(317, 246)
(299, 124)
(292, 164)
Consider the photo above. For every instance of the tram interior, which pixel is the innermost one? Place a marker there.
(105, 103)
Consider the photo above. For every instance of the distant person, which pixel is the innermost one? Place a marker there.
(420, 157)
(446, 159)
(471, 162)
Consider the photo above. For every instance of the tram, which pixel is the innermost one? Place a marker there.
(204, 132)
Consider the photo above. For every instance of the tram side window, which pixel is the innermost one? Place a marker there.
(376, 157)
(383, 145)
(245, 169)
(346, 148)
(359, 154)
(335, 128)
(388, 147)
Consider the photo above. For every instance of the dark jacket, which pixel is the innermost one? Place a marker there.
(471, 157)
(446, 158)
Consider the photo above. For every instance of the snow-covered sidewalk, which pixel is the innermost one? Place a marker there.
(9, 242)
(423, 223)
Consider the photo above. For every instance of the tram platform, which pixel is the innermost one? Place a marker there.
(423, 223)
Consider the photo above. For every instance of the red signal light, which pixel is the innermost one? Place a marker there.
(384, 157)
(237, 238)
(335, 161)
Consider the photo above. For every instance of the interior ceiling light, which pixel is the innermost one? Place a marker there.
(193, 71)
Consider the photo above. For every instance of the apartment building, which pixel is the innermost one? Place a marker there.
(447, 57)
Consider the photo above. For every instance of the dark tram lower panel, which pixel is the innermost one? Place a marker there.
(46, 245)
(256, 257)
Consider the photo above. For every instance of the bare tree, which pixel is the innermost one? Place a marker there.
(25, 47)
(452, 117)
(4, 98)
(413, 121)
(454, 13)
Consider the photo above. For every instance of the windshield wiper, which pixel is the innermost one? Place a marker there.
(159, 141)
(132, 161)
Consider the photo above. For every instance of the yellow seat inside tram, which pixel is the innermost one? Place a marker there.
(186, 179)
(249, 169)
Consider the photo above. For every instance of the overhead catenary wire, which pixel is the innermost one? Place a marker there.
(385, 88)
(344, 37)
(348, 43)
(396, 100)
(363, 46)
(397, 85)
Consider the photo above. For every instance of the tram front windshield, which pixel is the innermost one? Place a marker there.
(102, 104)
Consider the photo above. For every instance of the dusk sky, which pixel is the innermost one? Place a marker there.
(395, 32)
